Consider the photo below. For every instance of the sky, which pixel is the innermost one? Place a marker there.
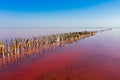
(59, 13)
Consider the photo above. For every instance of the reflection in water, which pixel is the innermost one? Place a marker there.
(17, 49)
(8, 60)
(3, 61)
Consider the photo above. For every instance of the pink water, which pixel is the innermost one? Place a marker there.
(93, 58)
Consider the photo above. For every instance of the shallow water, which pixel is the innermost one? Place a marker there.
(93, 58)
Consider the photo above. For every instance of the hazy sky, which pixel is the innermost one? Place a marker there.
(59, 13)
